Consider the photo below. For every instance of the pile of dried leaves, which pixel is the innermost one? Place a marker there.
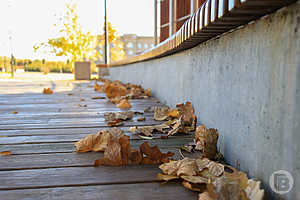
(117, 149)
(213, 180)
(120, 93)
(177, 120)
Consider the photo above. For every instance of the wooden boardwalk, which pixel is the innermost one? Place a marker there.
(41, 136)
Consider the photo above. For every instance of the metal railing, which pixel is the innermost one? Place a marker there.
(213, 18)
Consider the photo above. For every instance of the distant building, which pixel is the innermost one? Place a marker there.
(134, 44)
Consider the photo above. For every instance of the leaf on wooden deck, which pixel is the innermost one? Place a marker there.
(253, 190)
(141, 119)
(47, 91)
(97, 87)
(119, 152)
(154, 155)
(117, 118)
(97, 142)
(195, 179)
(149, 130)
(98, 98)
(227, 189)
(111, 116)
(187, 113)
(194, 187)
(206, 141)
(112, 155)
(164, 177)
(161, 113)
(174, 113)
(5, 153)
(148, 92)
(205, 196)
(124, 104)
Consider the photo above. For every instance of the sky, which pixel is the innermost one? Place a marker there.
(28, 22)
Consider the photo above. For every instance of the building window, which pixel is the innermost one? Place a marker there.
(139, 45)
(129, 45)
(145, 46)
(130, 52)
(152, 45)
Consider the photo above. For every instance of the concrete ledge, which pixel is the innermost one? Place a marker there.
(246, 84)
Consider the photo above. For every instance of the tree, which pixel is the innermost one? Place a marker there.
(77, 45)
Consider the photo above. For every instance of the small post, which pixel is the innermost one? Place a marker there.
(172, 17)
(155, 22)
(106, 46)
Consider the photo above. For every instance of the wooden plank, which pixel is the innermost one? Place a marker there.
(56, 99)
(146, 191)
(57, 160)
(4, 133)
(59, 177)
(67, 147)
(72, 125)
(61, 114)
(100, 121)
(70, 138)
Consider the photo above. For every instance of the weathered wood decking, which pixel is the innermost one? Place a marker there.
(43, 164)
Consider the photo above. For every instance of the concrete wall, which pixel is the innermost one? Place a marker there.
(246, 84)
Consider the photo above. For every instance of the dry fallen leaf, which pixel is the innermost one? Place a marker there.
(170, 168)
(253, 190)
(115, 90)
(111, 116)
(133, 129)
(148, 92)
(174, 113)
(153, 154)
(117, 118)
(124, 104)
(206, 141)
(112, 155)
(161, 113)
(194, 187)
(187, 167)
(97, 142)
(148, 130)
(118, 152)
(98, 97)
(227, 189)
(205, 196)
(5, 153)
(215, 168)
(184, 167)
(47, 91)
(97, 87)
(141, 119)
(14, 112)
(164, 177)
(187, 112)
(195, 179)
(116, 122)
